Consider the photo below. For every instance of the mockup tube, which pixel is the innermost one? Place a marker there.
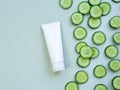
(52, 34)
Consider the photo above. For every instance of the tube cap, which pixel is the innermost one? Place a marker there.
(58, 66)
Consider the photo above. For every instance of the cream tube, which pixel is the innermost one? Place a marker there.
(52, 34)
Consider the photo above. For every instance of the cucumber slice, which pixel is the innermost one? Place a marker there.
(106, 8)
(86, 52)
(100, 87)
(95, 52)
(94, 22)
(79, 45)
(111, 51)
(80, 33)
(83, 62)
(84, 7)
(117, 1)
(100, 71)
(115, 22)
(98, 38)
(71, 85)
(116, 82)
(96, 11)
(81, 77)
(65, 4)
(114, 65)
(116, 37)
(77, 18)
(94, 2)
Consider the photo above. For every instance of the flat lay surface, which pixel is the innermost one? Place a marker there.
(24, 59)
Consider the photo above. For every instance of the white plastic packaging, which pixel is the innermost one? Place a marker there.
(52, 34)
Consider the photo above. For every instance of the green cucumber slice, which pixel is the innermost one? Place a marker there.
(100, 71)
(114, 65)
(86, 52)
(71, 85)
(94, 22)
(100, 87)
(83, 62)
(115, 22)
(116, 37)
(116, 82)
(96, 11)
(111, 51)
(84, 7)
(94, 2)
(81, 77)
(98, 38)
(80, 33)
(77, 18)
(79, 45)
(95, 52)
(106, 8)
(65, 4)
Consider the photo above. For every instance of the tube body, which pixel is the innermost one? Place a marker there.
(52, 34)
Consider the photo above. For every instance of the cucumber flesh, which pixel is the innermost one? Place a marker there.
(116, 37)
(115, 22)
(100, 87)
(77, 18)
(86, 52)
(111, 51)
(65, 4)
(100, 71)
(98, 38)
(79, 45)
(81, 77)
(116, 82)
(84, 7)
(94, 22)
(114, 65)
(71, 85)
(106, 8)
(83, 62)
(80, 33)
(96, 11)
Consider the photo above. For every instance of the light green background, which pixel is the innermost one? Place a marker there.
(24, 60)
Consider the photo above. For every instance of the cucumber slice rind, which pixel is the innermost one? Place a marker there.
(79, 45)
(95, 52)
(94, 22)
(98, 38)
(100, 87)
(114, 22)
(65, 4)
(98, 73)
(96, 11)
(114, 65)
(106, 8)
(84, 7)
(116, 37)
(71, 84)
(81, 77)
(86, 52)
(94, 2)
(80, 33)
(77, 18)
(116, 82)
(83, 62)
(116, 1)
(111, 51)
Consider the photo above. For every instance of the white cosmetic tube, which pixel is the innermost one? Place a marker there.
(52, 34)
